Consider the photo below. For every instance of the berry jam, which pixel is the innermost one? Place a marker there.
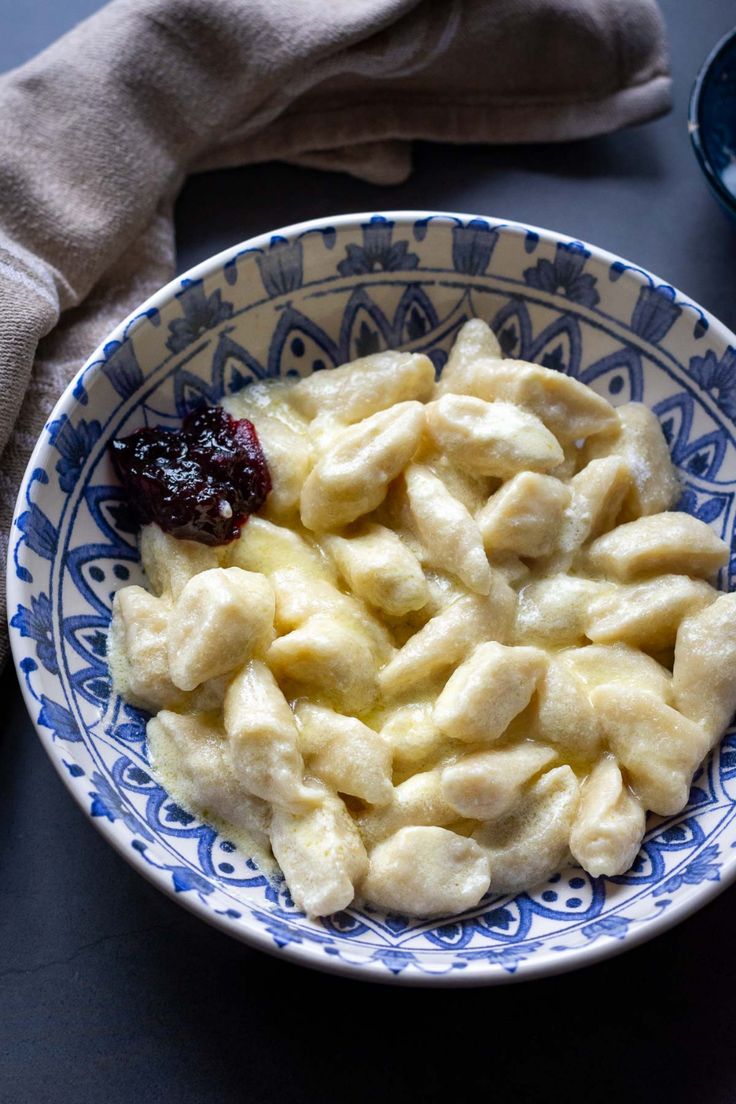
(200, 482)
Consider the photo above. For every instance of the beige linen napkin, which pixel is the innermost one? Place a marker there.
(98, 132)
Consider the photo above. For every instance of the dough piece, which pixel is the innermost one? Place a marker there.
(662, 544)
(554, 612)
(525, 515)
(569, 409)
(486, 692)
(267, 548)
(658, 747)
(221, 618)
(330, 659)
(412, 734)
(647, 615)
(704, 674)
(362, 388)
(532, 842)
(602, 664)
(426, 871)
(289, 458)
(564, 716)
(448, 637)
(264, 740)
(598, 493)
(192, 757)
(380, 569)
(350, 757)
(493, 438)
(446, 529)
(639, 440)
(418, 800)
(170, 563)
(138, 657)
(474, 340)
(609, 825)
(488, 784)
(351, 478)
(321, 855)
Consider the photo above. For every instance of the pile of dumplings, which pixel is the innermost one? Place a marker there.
(466, 639)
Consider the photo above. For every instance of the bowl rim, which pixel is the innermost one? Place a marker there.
(484, 973)
(695, 120)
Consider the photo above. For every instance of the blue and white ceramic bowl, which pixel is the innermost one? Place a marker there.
(712, 120)
(310, 297)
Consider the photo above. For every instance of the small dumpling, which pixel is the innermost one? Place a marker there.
(491, 438)
(289, 458)
(264, 739)
(446, 529)
(601, 664)
(475, 340)
(704, 673)
(265, 547)
(598, 493)
(330, 658)
(351, 478)
(639, 440)
(380, 569)
(486, 692)
(488, 784)
(473, 491)
(448, 637)
(221, 618)
(426, 871)
(191, 757)
(373, 383)
(567, 407)
(609, 824)
(321, 855)
(564, 716)
(532, 842)
(345, 753)
(658, 748)
(138, 655)
(525, 515)
(412, 734)
(418, 800)
(646, 615)
(169, 563)
(554, 611)
(670, 543)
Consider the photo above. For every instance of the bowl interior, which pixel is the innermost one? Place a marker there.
(713, 119)
(307, 299)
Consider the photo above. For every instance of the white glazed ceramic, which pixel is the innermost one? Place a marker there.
(310, 297)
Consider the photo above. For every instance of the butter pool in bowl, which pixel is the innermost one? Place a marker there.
(313, 297)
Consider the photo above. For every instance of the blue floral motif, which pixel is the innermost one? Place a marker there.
(472, 246)
(281, 268)
(38, 531)
(507, 957)
(36, 624)
(201, 313)
(718, 376)
(107, 803)
(564, 275)
(394, 960)
(655, 312)
(377, 253)
(701, 869)
(186, 879)
(616, 926)
(75, 444)
(122, 368)
(59, 720)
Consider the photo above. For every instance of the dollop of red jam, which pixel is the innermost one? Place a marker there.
(200, 482)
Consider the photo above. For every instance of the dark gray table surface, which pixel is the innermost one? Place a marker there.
(110, 992)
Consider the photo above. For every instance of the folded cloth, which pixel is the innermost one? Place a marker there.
(98, 133)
